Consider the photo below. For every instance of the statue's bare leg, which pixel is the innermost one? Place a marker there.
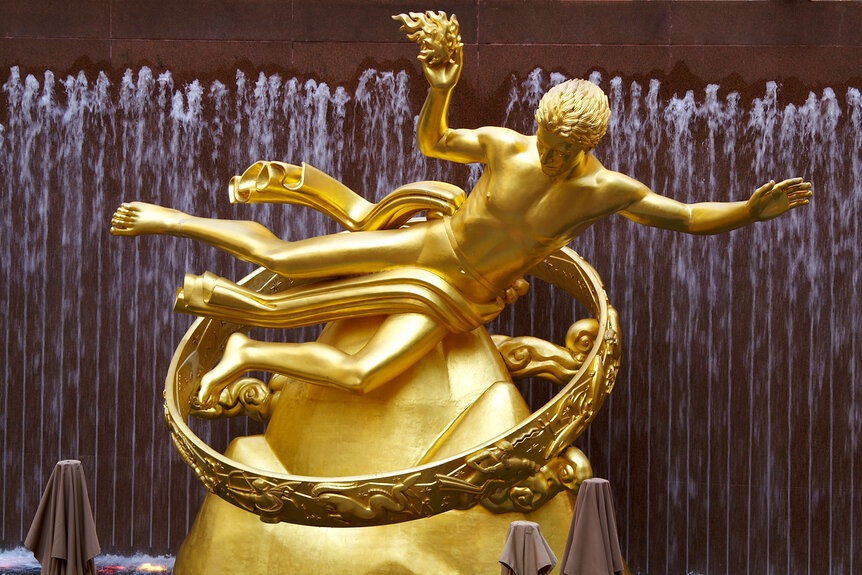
(138, 218)
(324, 256)
(399, 342)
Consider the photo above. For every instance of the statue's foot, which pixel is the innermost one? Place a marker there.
(232, 365)
(138, 218)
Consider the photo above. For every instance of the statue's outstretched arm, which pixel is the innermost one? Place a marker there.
(767, 202)
(442, 57)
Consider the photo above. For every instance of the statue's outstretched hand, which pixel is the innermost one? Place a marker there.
(771, 200)
(441, 50)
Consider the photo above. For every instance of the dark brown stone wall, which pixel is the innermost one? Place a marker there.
(737, 44)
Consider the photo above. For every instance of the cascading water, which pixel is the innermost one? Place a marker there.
(729, 341)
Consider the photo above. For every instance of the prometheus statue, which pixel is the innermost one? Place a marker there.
(405, 301)
(536, 194)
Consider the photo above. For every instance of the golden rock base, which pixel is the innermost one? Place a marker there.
(456, 397)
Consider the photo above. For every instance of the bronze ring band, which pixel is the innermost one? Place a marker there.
(298, 499)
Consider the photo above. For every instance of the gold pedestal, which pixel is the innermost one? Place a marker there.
(458, 396)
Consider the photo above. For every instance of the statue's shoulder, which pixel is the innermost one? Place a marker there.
(618, 182)
(504, 139)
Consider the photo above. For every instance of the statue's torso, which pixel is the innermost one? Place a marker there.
(516, 215)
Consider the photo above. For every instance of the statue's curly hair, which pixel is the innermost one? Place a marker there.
(577, 111)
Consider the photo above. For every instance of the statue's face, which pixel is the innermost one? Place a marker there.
(556, 155)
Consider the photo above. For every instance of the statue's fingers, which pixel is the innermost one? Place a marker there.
(790, 182)
(764, 188)
(800, 195)
(803, 187)
(797, 203)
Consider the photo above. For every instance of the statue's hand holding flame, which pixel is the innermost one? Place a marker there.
(441, 50)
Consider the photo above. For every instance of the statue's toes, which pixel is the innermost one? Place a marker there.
(203, 395)
(209, 391)
(121, 224)
(124, 212)
(122, 231)
(203, 400)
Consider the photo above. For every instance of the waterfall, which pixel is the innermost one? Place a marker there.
(730, 341)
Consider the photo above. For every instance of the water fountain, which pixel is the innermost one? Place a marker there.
(68, 337)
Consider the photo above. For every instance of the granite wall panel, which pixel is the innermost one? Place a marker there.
(578, 23)
(56, 19)
(214, 58)
(357, 21)
(760, 23)
(69, 55)
(250, 20)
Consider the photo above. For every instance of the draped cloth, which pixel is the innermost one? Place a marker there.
(593, 547)
(63, 533)
(526, 552)
(400, 290)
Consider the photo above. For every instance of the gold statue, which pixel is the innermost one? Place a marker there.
(405, 291)
(536, 194)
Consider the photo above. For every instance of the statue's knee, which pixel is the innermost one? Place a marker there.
(361, 379)
(273, 259)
